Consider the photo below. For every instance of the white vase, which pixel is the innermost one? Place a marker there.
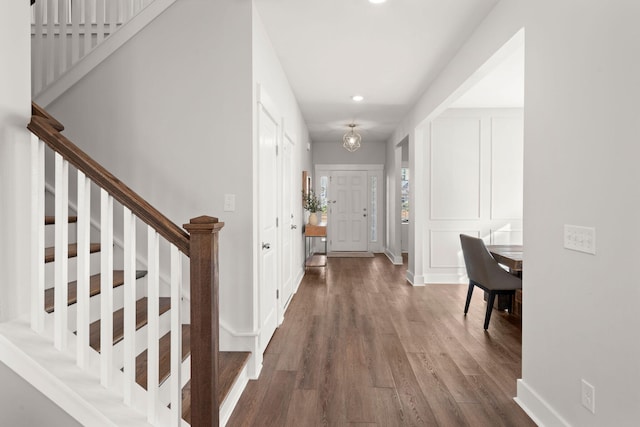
(313, 218)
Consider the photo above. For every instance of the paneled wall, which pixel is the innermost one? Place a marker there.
(474, 185)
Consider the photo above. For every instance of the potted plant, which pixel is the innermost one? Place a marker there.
(312, 204)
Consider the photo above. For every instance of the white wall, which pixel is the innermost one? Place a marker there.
(269, 80)
(170, 115)
(473, 186)
(15, 112)
(269, 76)
(370, 153)
(20, 404)
(581, 167)
(580, 155)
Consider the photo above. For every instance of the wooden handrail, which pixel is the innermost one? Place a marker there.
(37, 110)
(200, 245)
(48, 130)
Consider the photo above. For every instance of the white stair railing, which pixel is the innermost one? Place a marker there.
(162, 408)
(65, 31)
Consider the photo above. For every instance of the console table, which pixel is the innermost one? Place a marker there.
(311, 232)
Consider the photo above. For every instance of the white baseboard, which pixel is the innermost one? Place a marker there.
(230, 402)
(415, 280)
(440, 278)
(537, 408)
(395, 259)
(232, 340)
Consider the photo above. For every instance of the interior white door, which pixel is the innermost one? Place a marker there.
(268, 213)
(348, 213)
(288, 226)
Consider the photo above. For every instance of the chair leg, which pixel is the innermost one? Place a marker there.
(487, 317)
(469, 293)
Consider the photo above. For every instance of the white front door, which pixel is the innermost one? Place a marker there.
(347, 226)
(288, 226)
(268, 208)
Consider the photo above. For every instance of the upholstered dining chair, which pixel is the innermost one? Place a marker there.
(484, 272)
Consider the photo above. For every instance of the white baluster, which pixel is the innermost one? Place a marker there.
(37, 235)
(83, 227)
(106, 288)
(100, 19)
(62, 26)
(129, 305)
(61, 282)
(75, 31)
(176, 337)
(127, 7)
(88, 14)
(153, 301)
(50, 57)
(38, 53)
(111, 16)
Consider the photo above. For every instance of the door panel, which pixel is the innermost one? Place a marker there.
(268, 208)
(287, 230)
(348, 219)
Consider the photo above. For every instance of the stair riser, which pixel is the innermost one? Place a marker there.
(165, 387)
(96, 301)
(141, 339)
(50, 236)
(72, 269)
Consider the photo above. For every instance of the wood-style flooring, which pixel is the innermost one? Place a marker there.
(360, 346)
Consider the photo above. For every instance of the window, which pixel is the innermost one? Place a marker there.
(373, 209)
(324, 186)
(404, 194)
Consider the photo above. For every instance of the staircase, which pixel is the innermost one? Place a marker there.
(116, 306)
(72, 37)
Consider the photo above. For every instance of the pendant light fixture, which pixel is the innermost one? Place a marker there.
(351, 139)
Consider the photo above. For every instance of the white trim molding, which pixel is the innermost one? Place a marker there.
(536, 407)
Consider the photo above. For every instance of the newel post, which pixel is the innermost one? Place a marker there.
(205, 406)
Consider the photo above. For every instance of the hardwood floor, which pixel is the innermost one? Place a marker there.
(360, 346)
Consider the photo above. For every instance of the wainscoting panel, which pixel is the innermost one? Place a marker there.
(445, 250)
(455, 169)
(506, 167)
(506, 237)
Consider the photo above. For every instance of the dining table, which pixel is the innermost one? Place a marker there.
(508, 255)
(511, 257)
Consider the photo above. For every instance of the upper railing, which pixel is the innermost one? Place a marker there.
(66, 31)
(199, 248)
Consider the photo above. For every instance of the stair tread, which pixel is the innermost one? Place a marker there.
(230, 364)
(164, 365)
(94, 288)
(49, 220)
(49, 253)
(118, 321)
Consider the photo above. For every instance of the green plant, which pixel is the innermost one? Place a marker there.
(310, 202)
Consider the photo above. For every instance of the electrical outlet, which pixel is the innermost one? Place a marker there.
(581, 239)
(589, 396)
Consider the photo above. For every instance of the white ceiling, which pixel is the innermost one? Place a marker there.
(389, 53)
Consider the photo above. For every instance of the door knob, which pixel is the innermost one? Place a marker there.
(293, 226)
(266, 245)
(364, 214)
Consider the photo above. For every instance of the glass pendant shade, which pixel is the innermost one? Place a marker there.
(351, 139)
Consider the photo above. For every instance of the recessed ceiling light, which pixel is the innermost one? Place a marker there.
(377, 1)
(357, 98)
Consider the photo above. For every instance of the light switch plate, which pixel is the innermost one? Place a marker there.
(579, 238)
(229, 202)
